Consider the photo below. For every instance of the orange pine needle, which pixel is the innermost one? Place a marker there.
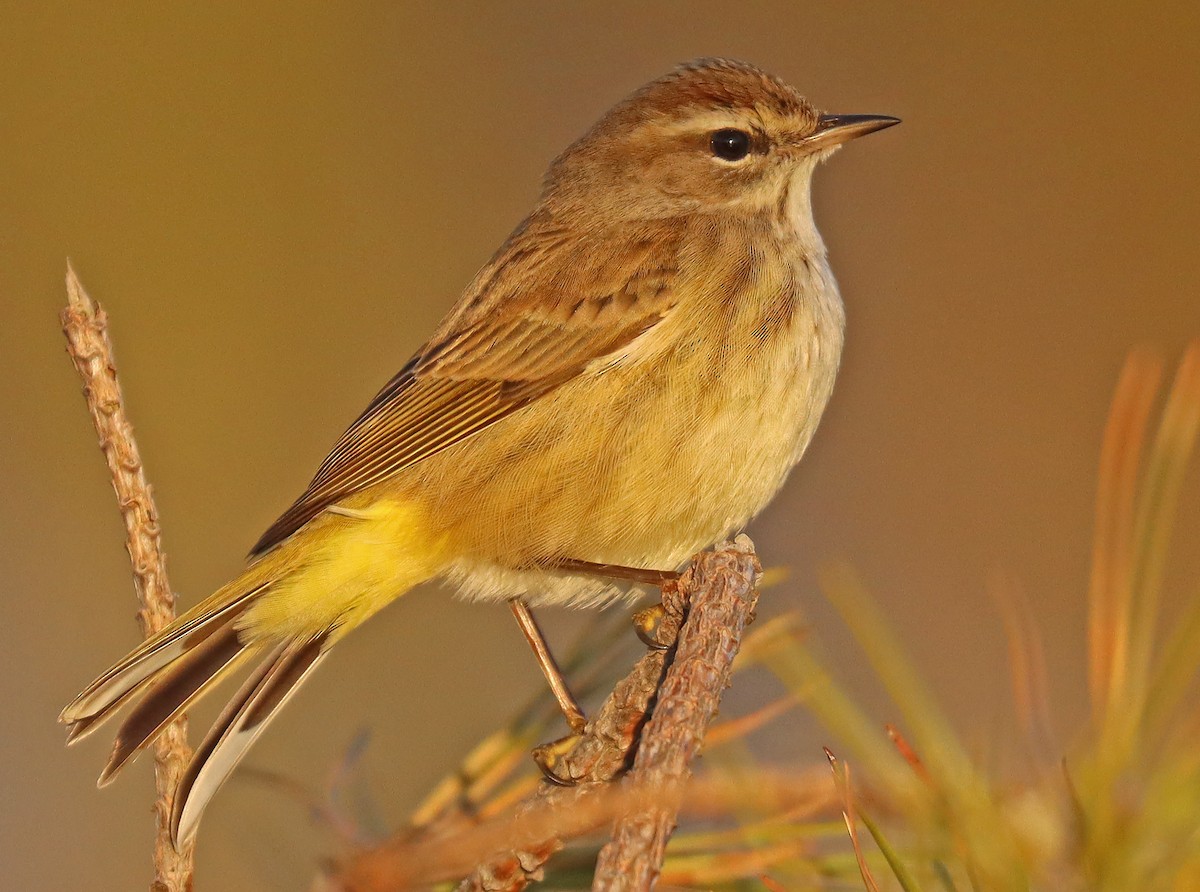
(1112, 551)
(743, 726)
(1165, 470)
(1027, 659)
(907, 752)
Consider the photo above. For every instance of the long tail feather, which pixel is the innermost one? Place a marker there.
(243, 720)
(103, 696)
(81, 728)
(172, 690)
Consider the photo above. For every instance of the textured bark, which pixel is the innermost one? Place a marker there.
(424, 861)
(86, 327)
(722, 597)
(717, 595)
(602, 755)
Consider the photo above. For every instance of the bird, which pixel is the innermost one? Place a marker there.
(629, 379)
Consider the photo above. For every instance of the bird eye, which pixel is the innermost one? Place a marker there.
(730, 145)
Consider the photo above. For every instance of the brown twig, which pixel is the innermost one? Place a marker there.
(524, 840)
(516, 860)
(421, 862)
(86, 327)
(723, 592)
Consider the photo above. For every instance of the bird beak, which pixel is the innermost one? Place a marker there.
(833, 130)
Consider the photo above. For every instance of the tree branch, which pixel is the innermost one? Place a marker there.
(86, 327)
(717, 593)
(600, 756)
(723, 594)
(419, 863)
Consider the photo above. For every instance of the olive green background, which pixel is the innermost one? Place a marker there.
(276, 203)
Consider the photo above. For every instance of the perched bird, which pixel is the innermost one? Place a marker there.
(629, 379)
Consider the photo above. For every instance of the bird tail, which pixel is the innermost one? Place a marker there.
(244, 719)
(284, 612)
(170, 669)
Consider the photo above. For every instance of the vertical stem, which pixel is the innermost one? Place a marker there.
(86, 328)
(723, 592)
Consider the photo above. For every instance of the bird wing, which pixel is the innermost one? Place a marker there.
(547, 305)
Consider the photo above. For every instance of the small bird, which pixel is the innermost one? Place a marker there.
(629, 379)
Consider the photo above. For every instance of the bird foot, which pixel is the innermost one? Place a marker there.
(549, 757)
(646, 624)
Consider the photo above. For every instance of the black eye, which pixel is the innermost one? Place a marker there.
(730, 145)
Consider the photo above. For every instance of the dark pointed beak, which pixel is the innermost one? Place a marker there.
(833, 130)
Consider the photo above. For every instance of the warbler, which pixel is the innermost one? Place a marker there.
(629, 379)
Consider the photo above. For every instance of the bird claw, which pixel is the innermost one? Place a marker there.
(646, 623)
(550, 755)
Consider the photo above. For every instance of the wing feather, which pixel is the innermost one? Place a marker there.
(546, 307)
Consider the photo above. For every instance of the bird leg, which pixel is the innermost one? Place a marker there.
(616, 571)
(548, 755)
(541, 652)
(645, 622)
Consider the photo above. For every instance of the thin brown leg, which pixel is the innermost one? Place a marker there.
(616, 571)
(645, 622)
(541, 651)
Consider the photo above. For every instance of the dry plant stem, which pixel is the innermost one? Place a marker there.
(602, 754)
(422, 862)
(526, 839)
(841, 778)
(86, 327)
(723, 592)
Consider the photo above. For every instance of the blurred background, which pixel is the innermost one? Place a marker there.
(276, 204)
